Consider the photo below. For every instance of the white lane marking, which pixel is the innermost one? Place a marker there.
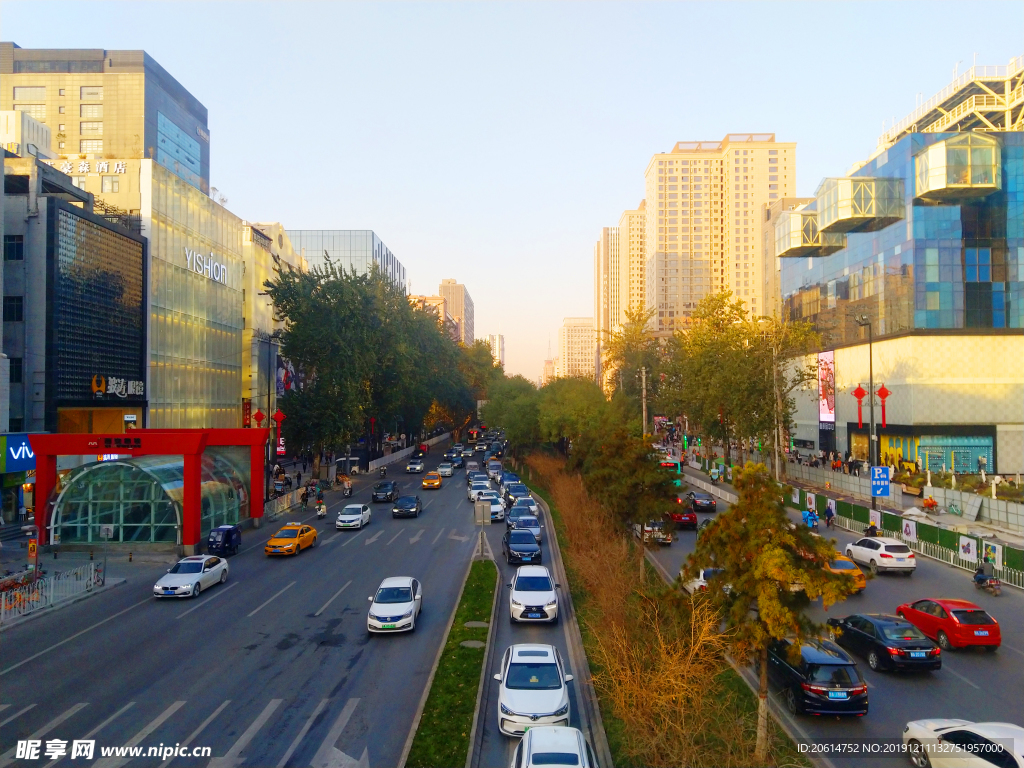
(437, 537)
(329, 755)
(333, 537)
(99, 728)
(8, 757)
(1015, 650)
(232, 758)
(204, 602)
(352, 538)
(302, 734)
(373, 538)
(16, 715)
(455, 537)
(116, 762)
(417, 537)
(396, 536)
(270, 599)
(957, 674)
(202, 726)
(324, 608)
(4, 706)
(76, 635)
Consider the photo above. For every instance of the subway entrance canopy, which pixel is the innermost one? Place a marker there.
(165, 485)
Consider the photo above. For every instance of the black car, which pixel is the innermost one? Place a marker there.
(701, 502)
(457, 461)
(498, 449)
(520, 547)
(449, 455)
(886, 641)
(516, 512)
(418, 454)
(512, 492)
(407, 506)
(822, 679)
(385, 490)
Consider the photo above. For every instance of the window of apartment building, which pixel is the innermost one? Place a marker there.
(14, 309)
(90, 145)
(91, 92)
(91, 128)
(90, 111)
(37, 111)
(60, 126)
(60, 110)
(30, 93)
(60, 145)
(111, 184)
(78, 181)
(60, 92)
(14, 248)
(16, 370)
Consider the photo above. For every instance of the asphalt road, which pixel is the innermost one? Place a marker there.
(972, 685)
(274, 668)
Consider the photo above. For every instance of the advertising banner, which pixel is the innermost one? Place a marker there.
(968, 549)
(875, 517)
(827, 387)
(994, 552)
(811, 501)
(910, 530)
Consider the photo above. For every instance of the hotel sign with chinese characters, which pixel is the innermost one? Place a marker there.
(115, 386)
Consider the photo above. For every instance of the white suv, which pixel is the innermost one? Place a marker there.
(533, 596)
(881, 553)
(553, 745)
(533, 689)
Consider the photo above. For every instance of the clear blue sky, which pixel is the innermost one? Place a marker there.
(489, 142)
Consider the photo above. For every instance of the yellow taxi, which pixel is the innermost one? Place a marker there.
(431, 480)
(291, 540)
(841, 564)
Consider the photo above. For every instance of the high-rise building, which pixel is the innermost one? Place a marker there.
(549, 370)
(460, 304)
(109, 104)
(911, 267)
(438, 305)
(606, 290)
(576, 344)
(348, 249)
(632, 260)
(497, 343)
(703, 232)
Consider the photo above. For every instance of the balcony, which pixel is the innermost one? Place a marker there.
(964, 167)
(797, 234)
(856, 204)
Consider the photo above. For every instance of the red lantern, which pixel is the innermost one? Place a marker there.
(859, 393)
(882, 394)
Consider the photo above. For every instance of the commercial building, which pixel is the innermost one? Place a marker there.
(550, 366)
(606, 290)
(771, 215)
(107, 104)
(497, 344)
(576, 343)
(438, 305)
(358, 250)
(632, 260)
(23, 135)
(460, 304)
(703, 230)
(921, 249)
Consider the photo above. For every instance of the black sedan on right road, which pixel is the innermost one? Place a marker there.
(519, 547)
(886, 642)
(818, 679)
(701, 502)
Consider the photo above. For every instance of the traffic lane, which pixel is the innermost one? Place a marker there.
(287, 626)
(496, 748)
(673, 557)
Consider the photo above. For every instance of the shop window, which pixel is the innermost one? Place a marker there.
(14, 309)
(16, 370)
(14, 248)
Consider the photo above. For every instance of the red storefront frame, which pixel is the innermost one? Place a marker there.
(187, 443)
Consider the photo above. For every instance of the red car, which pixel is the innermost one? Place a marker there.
(683, 517)
(953, 623)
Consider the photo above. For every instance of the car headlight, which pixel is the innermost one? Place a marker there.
(407, 614)
(517, 605)
(396, 509)
(506, 711)
(552, 604)
(563, 710)
(375, 618)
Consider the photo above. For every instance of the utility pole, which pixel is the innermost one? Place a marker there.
(865, 321)
(643, 387)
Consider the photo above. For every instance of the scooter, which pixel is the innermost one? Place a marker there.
(383, 471)
(992, 585)
(348, 491)
(321, 510)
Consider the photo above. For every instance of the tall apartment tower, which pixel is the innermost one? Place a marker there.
(704, 225)
(497, 343)
(576, 347)
(606, 290)
(460, 305)
(632, 260)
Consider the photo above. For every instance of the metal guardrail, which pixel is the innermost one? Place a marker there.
(49, 591)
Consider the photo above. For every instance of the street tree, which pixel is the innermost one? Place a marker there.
(629, 349)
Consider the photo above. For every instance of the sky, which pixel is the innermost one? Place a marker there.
(490, 142)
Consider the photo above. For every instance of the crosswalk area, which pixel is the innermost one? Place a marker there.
(301, 731)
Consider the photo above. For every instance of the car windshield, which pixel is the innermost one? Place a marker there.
(842, 565)
(533, 584)
(393, 595)
(192, 567)
(406, 501)
(701, 497)
(554, 758)
(287, 533)
(897, 549)
(382, 487)
(536, 677)
(216, 535)
(710, 573)
(656, 525)
(834, 674)
(527, 522)
(902, 632)
(975, 617)
(521, 537)
(350, 510)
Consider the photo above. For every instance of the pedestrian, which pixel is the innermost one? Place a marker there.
(298, 478)
(304, 499)
(917, 464)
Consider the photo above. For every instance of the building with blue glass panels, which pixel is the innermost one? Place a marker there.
(924, 242)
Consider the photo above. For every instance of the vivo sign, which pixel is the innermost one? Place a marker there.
(206, 266)
(17, 453)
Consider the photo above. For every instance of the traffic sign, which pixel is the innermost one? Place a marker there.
(106, 532)
(879, 481)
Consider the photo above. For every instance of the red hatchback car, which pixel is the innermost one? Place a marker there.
(953, 623)
(683, 517)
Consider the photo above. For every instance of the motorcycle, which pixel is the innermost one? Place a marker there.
(992, 585)
(321, 510)
(348, 491)
(383, 471)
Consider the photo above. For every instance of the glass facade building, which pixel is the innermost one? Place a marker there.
(348, 249)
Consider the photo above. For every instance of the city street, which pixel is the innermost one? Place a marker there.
(971, 684)
(272, 668)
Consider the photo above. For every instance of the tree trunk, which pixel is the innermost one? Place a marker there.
(761, 748)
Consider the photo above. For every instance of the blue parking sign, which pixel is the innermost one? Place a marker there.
(879, 481)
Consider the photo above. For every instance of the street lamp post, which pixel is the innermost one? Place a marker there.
(865, 322)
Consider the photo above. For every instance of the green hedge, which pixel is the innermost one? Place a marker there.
(844, 509)
(860, 514)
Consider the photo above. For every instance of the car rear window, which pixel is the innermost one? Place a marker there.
(902, 632)
(526, 522)
(897, 549)
(842, 565)
(975, 618)
(833, 674)
(521, 537)
(554, 758)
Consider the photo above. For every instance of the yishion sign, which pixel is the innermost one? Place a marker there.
(206, 266)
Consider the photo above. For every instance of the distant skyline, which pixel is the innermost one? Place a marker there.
(490, 142)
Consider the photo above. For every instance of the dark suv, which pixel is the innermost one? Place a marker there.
(822, 679)
(385, 490)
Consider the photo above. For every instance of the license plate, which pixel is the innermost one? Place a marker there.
(169, 591)
(387, 626)
(981, 632)
(917, 654)
(533, 615)
(838, 695)
(901, 559)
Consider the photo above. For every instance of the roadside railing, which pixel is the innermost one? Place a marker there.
(49, 591)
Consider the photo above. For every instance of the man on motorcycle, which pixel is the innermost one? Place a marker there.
(383, 471)
(985, 571)
(321, 509)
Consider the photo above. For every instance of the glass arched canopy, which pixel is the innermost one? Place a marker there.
(142, 499)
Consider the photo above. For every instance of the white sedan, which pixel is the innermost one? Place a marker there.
(445, 469)
(353, 516)
(533, 689)
(551, 743)
(881, 553)
(190, 576)
(533, 596)
(416, 465)
(477, 489)
(943, 743)
(700, 584)
(396, 605)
